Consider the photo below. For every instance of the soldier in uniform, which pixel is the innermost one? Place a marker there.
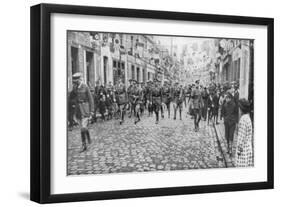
(177, 100)
(142, 99)
(197, 104)
(156, 98)
(130, 97)
(133, 96)
(205, 97)
(185, 94)
(109, 102)
(96, 100)
(166, 98)
(136, 96)
(71, 109)
(121, 99)
(102, 101)
(147, 94)
(84, 107)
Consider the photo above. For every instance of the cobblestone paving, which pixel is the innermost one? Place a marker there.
(146, 146)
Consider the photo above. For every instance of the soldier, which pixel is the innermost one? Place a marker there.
(84, 107)
(96, 100)
(166, 98)
(205, 97)
(133, 97)
(109, 102)
(121, 99)
(197, 105)
(177, 100)
(190, 106)
(102, 101)
(136, 96)
(142, 100)
(71, 109)
(147, 95)
(185, 94)
(130, 97)
(156, 98)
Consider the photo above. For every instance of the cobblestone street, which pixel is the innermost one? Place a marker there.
(146, 146)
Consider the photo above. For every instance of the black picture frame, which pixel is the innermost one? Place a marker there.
(41, 102)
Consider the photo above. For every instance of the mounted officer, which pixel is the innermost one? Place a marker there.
(84, 107)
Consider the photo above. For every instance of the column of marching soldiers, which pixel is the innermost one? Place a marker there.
(114, 101)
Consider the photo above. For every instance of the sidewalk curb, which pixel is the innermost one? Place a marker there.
(219, 144)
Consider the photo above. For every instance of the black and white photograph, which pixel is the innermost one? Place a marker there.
(145, 102)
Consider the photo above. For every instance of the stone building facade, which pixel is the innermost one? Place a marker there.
(107, 57)
(235, 65)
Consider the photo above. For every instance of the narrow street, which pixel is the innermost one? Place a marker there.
(146, 146)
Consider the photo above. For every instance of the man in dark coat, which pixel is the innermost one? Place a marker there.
(216, 99)
(229, 114)
(210, 107)
(109, 101)
(96, 97)
(84, 107)
(71, 109)
(205, 96)
(102, 101)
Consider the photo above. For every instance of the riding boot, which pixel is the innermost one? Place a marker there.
(137, 118)
(168, 109)
(123, 114)
(83, 137)
(157, 117)
(88, 137)
(230, 148)
(121, 117)
(180, 114)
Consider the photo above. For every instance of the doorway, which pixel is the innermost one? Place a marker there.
(89, 68)
(74, 60)
(105, 69)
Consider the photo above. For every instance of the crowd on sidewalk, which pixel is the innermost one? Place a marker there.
(214, 102)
